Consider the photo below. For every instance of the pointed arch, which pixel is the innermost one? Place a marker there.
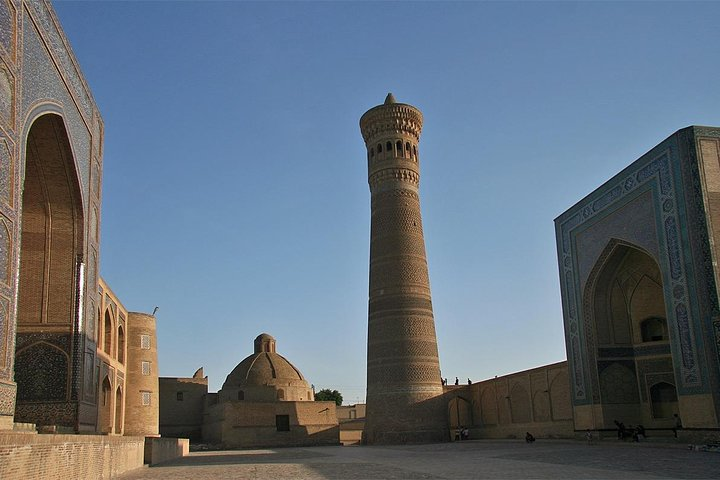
(520, 404)
(105, 407)
(460, 412)
(118, 410)
(121, 344)
(623, 293)
(108, 330)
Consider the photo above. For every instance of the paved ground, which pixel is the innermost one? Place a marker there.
(554, 459)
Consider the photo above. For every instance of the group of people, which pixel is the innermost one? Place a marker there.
(457, 381)
(637, 433)
(462, 433)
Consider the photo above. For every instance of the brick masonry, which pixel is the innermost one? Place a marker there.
(63, 457)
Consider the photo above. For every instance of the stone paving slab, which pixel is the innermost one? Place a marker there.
(461, 460)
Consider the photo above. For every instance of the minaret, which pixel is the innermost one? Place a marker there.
(403, 370)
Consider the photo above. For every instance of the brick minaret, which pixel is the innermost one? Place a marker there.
(403, 370)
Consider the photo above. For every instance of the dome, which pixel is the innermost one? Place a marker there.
(265, 376)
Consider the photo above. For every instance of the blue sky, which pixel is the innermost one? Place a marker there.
(235, 187)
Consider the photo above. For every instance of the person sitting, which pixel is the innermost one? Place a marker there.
(465, 434)
(639, 434)
(529, 438)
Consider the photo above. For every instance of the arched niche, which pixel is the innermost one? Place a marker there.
(105, 409)
(625, 310)
(118, 411)
(51, 240)
(460, 412)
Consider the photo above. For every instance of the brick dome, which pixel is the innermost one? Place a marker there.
(265, 375)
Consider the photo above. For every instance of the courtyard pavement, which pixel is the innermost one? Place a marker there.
(506, 459)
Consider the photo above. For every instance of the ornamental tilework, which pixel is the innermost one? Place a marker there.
(41, 81)
(62, 53)
(7, 25)
(7, 399)
(7, 94)
(5, 249)
(5, 350)
(6, 173)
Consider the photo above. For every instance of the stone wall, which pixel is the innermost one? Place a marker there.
(535, 400)
(63, 457)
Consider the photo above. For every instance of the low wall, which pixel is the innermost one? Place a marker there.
(159, 450)
(47, 457)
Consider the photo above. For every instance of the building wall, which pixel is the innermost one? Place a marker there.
(663, 205)
(535, 400)
(111, 340)
(40, 80)
(181, 406)
(253, 424)
(350, 412)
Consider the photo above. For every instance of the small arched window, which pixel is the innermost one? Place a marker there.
(388, 147)
(379, 147)
(281, 394)
(653, 330)
(398, 147)
(407, 147)
(241, 395)
(414, 151)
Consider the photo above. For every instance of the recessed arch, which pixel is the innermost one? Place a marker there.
(488, 407)
(51, 239)
(108, 330)
(520, 404)
(105, 407)
(624, 306)
(653, 329)
(121, 344)
(663, 397)
(118, 410)
(460, 412)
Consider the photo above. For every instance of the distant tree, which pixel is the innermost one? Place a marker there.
(327, 395)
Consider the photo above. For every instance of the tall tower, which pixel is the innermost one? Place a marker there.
(403, 370)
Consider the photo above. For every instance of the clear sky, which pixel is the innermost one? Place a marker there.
(235, 190)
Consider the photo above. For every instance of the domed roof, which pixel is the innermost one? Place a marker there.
(265, 367)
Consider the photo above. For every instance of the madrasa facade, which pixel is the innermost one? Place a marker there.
(637, 260)
(72, 358)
